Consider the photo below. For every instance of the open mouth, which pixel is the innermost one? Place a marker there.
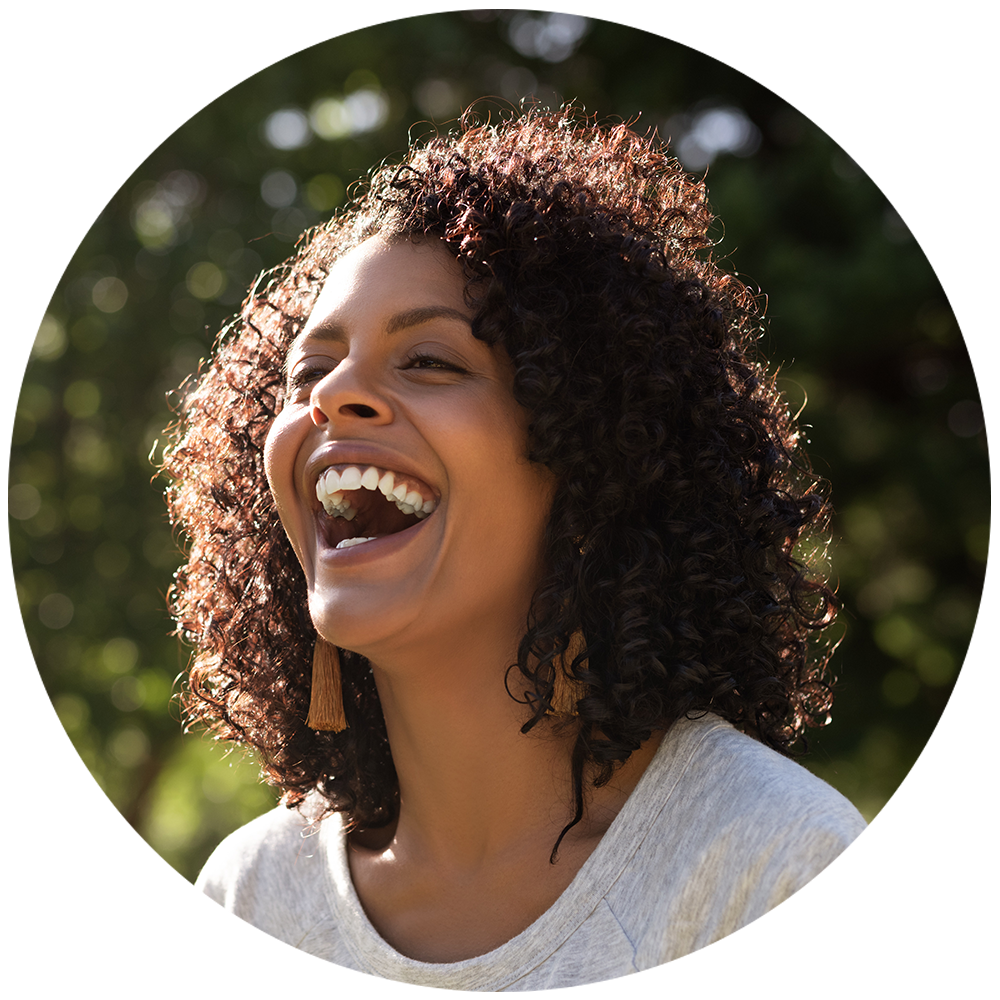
(361, 504)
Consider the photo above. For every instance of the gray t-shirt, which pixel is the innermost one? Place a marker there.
(718, 830)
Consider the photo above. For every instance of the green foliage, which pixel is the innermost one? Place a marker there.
(861, 329)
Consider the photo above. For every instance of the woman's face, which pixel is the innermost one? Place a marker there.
(388, 388)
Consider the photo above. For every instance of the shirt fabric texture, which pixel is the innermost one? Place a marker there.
(718, 830)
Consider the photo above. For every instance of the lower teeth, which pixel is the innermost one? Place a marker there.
(348, 542)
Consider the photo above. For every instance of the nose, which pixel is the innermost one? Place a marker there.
(343, 397)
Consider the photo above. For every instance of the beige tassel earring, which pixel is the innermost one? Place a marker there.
(566, 689)
(326, 699)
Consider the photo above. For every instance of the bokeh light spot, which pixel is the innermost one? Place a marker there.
(278, 188)
(205, 280)
(55, 611)
(82, 399)
(110, 294)
(701, 137)
(362, 111)
(936, 665)
(23, 501)
(119, 655)
(130, 747)
(73, 711)
(896, 635)
(44, 335)
(128, 694)
(287, 129)
(437, 98)
(324, 192)
(965, 418)
(552, 37)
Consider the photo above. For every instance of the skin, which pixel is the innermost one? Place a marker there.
(387, 371)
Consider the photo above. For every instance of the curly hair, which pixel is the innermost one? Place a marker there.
(675, 578)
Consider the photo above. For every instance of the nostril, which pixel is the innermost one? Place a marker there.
(359, 409)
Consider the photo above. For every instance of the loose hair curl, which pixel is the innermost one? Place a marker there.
(672, 544)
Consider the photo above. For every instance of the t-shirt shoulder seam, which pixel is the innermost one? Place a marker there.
(652, 818)
(622, 928)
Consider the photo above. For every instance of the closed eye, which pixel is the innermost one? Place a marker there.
(305, 375)
(430, 362)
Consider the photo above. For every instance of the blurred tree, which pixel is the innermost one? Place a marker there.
(858, 322)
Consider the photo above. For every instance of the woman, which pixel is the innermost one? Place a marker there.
(493, 524)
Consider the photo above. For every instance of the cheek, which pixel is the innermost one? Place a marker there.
(534, 482)
(271, 464)
(281, 448)
(520, 491)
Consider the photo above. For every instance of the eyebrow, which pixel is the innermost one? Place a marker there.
(414, 317)
(400, 321)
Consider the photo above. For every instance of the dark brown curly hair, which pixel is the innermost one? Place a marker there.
(673, 545)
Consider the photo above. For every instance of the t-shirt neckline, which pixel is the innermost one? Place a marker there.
(504, 965)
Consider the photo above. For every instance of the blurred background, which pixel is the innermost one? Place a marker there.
(858, 324)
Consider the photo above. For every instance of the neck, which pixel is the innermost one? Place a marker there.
(471, 784)
(473, 788)
(481, 805)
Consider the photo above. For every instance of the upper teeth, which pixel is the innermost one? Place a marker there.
(332, 485)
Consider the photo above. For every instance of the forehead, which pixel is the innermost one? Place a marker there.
(379, 278)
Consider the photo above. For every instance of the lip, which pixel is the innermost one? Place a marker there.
(360, 453)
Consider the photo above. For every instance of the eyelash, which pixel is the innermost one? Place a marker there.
(439, 364)
(302, 377)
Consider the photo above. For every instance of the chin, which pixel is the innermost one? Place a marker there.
(359, 622)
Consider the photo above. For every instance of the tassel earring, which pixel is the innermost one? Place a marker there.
(566, 689)
(326, 699)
